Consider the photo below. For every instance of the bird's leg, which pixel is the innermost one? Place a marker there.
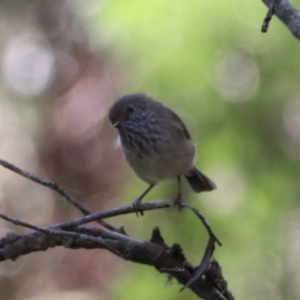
(137, 203)
(178, 200)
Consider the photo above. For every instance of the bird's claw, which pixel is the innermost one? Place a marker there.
(138, 207)
(178, 201)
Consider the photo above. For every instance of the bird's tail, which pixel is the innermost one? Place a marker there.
(199, 182)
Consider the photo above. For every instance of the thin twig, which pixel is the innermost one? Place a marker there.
(204, 221)
(58, 232)
(204, 264)
(55, 187)
(52, 185)
(46, 231)
(272, 9)
(147, 206)
(210, 247)
(18, 222)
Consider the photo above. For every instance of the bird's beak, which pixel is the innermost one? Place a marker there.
(118, 124)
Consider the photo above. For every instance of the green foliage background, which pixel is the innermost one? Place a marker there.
(234, 87)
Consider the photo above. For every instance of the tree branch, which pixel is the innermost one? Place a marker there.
(53, 186)
(286, 12)
(205, 280)
(167, 260)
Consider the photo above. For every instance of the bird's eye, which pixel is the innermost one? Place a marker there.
(130, 110)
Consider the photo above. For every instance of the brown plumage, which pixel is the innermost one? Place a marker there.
(156, 143)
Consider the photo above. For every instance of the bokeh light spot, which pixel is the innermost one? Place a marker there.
(28, 64)
(236, 76)
(292, 119)
(231, 189)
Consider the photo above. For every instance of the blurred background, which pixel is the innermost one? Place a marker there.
(63, 63)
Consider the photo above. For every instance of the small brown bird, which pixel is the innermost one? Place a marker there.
(156, 144)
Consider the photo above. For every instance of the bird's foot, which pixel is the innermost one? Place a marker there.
(138, 207)
(178, 201)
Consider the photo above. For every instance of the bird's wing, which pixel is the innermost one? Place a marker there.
(179, 125)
